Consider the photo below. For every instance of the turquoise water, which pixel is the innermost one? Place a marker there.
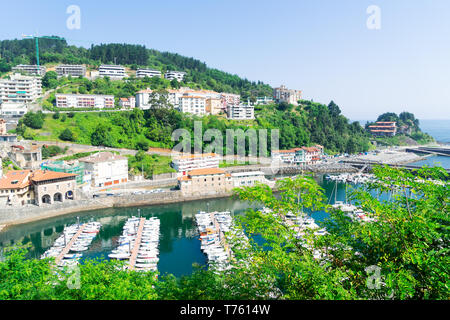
(434, 161)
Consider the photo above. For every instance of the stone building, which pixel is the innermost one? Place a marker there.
(15, 188)
(50, 187)
(205, 182)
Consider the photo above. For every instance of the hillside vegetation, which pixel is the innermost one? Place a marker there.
(14, 52)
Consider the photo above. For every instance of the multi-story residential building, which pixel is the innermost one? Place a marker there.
(74, 167)
(19, 89)
(230, 99)
(186, 163)
(214, 106)
(179, 75)
(294, 156)
(264, 100)
(142, 73)
(127, 103)
(13, 110)
(283, 94)
(249, 179)
(205, 182)
(50, 186)
(84, 101)
(30, 69)
(74, 70)
(106, 169)
(192, 104)
(112, 71)
(15, 188)
(384, 128)
(26, 158)
(241, 112)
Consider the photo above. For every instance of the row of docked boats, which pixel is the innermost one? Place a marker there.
(212, 227)
(78, 242)
(303, 222)
(139, 236)
(352, 211)
(355, 178)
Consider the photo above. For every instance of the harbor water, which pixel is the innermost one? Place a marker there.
(179, 242)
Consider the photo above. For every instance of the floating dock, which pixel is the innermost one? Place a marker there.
(137, 244)
(70, 244)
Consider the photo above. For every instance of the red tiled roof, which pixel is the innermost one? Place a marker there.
(207, 171)
(16, 179)
(44, 175)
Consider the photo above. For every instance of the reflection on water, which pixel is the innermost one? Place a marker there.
(179, 244)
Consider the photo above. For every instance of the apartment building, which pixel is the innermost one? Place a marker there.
(205, 182)
(384, 128)
(186, 163)
(84, 101)
(230, 99)
(192, 104)
(114, 72)
(4, 135)
(30, 69)
(26, 158)
(249, 179)
(264, 100)
(283, 94)
(179, 75)
(106, 169)
(295, 156)
(241, 112)
(214, 106)
(313, 154)
(19, 89)
(74, 70)
(127, 103)
(142, 73)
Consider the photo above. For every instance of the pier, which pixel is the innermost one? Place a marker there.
(137, 244)
(69, 245)
(439, 151)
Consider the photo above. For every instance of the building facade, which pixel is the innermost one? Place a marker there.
(15, 188)
(186, 163)
(84, 101)
(283, 94)
(27, 158)
(127, 103)
(179, 75)
(142, 73)
(106, 169)
(384, 129)
(114, 72)
(205, 182)
(241, 112)
(192, 104)
(30, 69)
(19, 89)
(73, 70)
(248, 179)
(50, 187)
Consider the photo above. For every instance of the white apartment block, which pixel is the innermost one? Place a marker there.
(264, 100)
(230, 99)
(112, 71)
(13, 109)
(30, 69)
(192, 104)
(84, 101)
(179, 75)
(241, 112)
(249, 179)
(74, 70)
(142, 73)
(186, 163)
(287, 95)
(106, 169)
(20, 89)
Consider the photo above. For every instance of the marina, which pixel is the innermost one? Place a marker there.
(73, 240)
(139, 244)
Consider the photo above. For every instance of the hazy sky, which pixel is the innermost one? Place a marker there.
(322, 47)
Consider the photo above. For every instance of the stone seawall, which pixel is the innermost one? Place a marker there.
(12, 216)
